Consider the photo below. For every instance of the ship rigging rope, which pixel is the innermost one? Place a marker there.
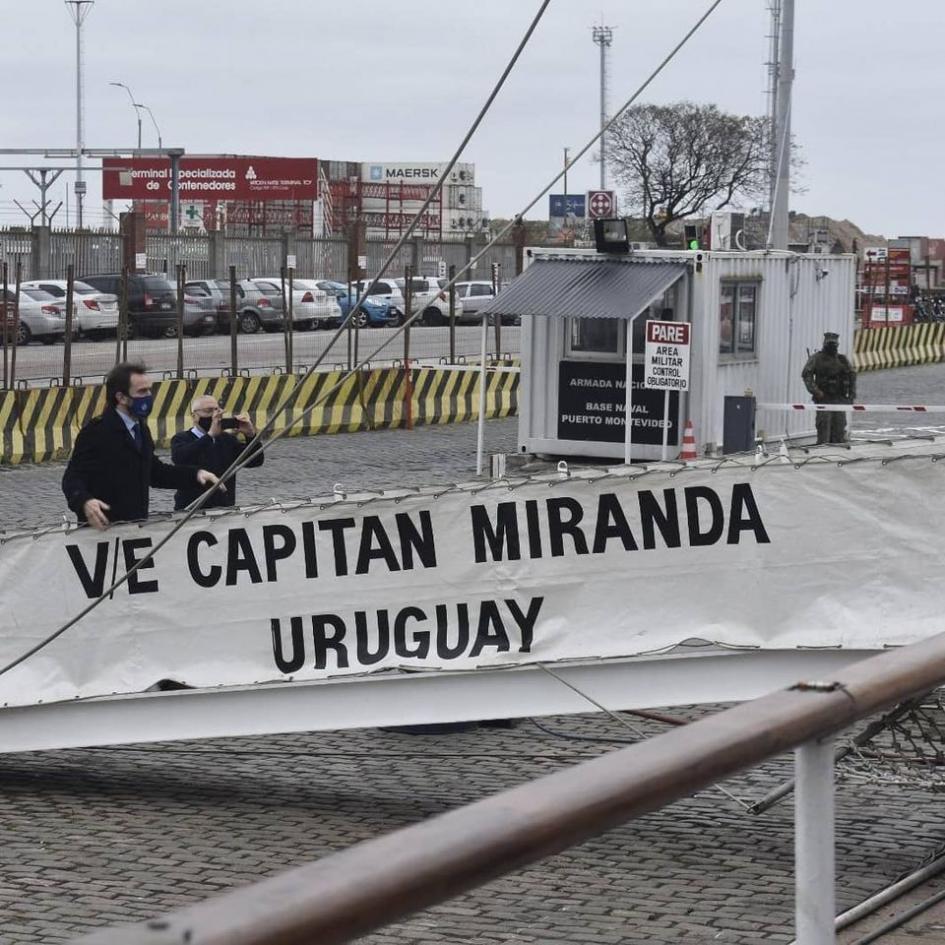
(291, 395)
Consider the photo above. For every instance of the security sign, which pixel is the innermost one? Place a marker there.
(600, 203)
(666, 358)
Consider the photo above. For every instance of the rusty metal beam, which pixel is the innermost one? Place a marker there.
(348, 894)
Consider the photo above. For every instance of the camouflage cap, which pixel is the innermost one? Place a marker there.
(831, 336)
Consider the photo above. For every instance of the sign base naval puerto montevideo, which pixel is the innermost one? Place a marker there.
(827, 554)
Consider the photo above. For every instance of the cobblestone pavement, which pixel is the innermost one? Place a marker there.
(101, 836)
(296, 467)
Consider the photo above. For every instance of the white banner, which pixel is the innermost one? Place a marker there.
(826, 555)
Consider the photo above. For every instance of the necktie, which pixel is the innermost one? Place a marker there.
(138, 437)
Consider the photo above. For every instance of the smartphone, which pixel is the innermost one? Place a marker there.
(229, 423)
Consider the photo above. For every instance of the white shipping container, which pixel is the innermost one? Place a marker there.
(782, 305)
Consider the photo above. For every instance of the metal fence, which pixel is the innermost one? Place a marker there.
(46, 253)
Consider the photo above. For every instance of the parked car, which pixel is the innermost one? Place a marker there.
(256, 310)
(152, 305)
(428, 298)
(471, 297)
(384, 288)
(41, 318)
(318, 289)
(309, 306)
(96, 313)
(375, 311)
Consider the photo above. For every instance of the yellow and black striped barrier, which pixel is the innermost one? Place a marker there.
(41, 424)
(898, 346)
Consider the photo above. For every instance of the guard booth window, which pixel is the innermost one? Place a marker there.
(595, 336)
(737, 316)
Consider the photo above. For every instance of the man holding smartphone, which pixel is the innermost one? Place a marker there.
(209, 445)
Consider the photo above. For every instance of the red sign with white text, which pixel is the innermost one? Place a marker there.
(211, 178)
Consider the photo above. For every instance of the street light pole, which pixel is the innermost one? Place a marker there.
(153, 122)
(79, 10)
(134, 104)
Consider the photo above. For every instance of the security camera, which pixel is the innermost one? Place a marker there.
(822, 274)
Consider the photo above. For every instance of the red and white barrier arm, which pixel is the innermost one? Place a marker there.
(858, 408)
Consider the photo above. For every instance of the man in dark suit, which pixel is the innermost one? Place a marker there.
(113, 465)
(208, 445)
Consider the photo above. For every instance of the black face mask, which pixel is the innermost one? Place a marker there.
(205, 423)
(831, 347)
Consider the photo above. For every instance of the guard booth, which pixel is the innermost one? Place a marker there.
(754, 319)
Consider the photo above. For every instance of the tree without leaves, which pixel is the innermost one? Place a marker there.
(675, 161)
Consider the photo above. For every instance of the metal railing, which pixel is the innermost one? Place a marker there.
(370, 885)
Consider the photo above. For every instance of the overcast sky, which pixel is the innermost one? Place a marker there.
(363, 80)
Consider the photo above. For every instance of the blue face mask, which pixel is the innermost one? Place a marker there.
(141, 406)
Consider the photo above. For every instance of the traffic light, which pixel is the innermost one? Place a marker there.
(695, 236)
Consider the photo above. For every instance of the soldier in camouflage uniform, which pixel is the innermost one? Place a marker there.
(830, 378)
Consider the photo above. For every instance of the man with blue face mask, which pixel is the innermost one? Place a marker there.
(113, 465)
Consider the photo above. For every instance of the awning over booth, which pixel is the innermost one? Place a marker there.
(586, 288)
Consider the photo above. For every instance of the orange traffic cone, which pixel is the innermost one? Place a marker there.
(688, 444)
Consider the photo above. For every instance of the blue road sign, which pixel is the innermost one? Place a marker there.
(567, 205)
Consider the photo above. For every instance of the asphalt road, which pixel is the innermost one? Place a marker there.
(37, 363)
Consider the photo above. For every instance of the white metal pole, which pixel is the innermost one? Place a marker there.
(79, 180)
(78, 10)
(481, 431)
(773, 75)
(664, 456)
(779, 211)
(628, 399)
(814, 896)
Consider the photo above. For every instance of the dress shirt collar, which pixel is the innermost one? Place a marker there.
(129, 422)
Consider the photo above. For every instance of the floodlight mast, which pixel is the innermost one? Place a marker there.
(778, 231)
(603, 36)
(79, 10)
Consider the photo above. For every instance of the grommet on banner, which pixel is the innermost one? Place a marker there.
(563, 471)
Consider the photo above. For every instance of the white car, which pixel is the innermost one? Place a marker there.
(96, 313)
(426, 291)
(310, 306)
(470, 298)
(40, 317)
(332, 315)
